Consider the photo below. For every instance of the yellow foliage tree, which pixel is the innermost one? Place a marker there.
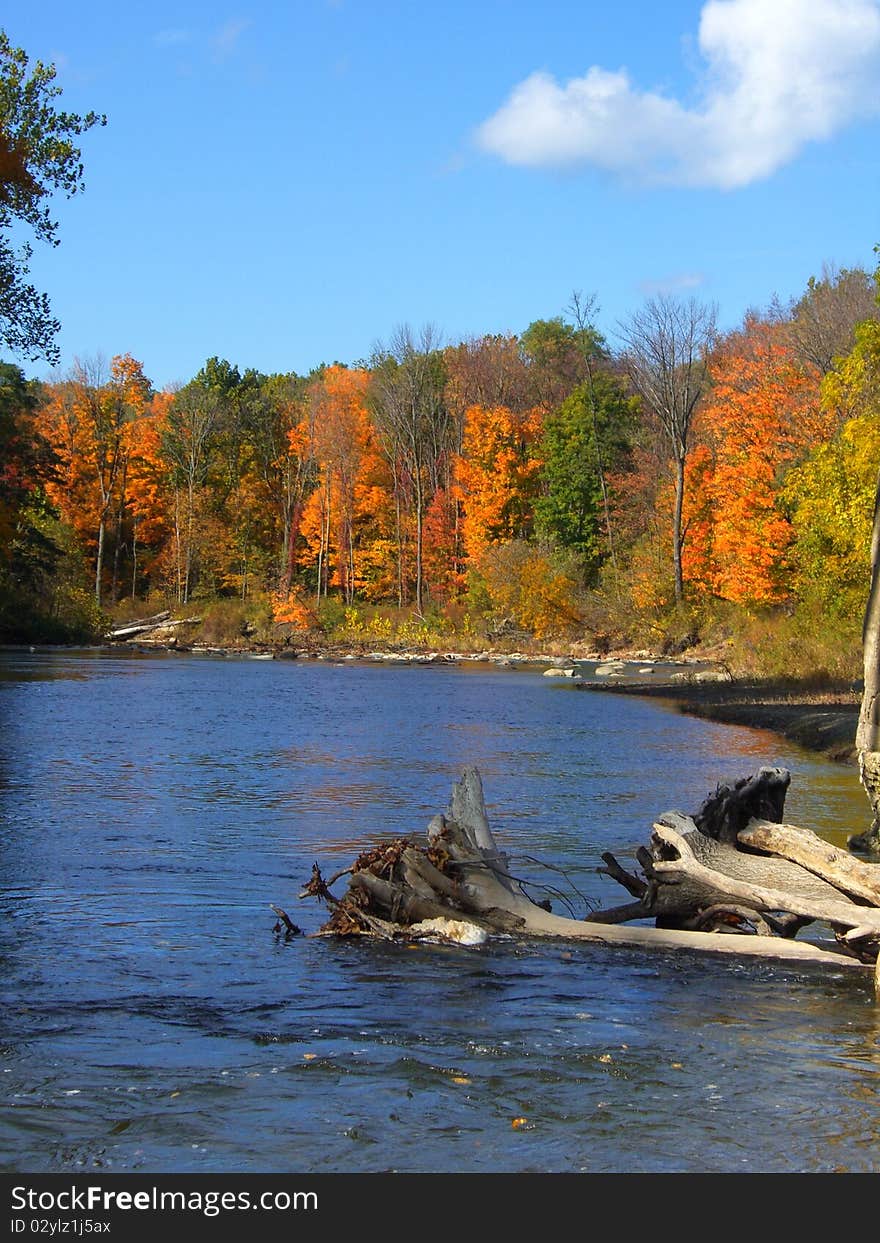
(830, 497)
(525, 584)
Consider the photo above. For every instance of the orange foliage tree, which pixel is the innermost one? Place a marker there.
(87, 418)
(497, 475)
(762, 414)
(339, 516)
(443, 555)
(149, 494)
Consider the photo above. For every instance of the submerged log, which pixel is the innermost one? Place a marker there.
(461, 877)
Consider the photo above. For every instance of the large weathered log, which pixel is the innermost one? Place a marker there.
(725, 860)
(801, 846)
(405, 907)
(681, 866)
(713, 834)
(467, 809)
(527, 919)
(464, 876)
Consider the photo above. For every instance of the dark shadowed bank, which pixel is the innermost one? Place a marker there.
(822, 720)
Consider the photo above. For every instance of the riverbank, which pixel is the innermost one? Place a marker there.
(820, 719)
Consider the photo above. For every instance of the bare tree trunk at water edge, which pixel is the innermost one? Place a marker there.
(868, 733)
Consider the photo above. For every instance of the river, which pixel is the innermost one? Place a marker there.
(153, 806)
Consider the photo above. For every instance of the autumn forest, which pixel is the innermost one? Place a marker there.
(680, 484)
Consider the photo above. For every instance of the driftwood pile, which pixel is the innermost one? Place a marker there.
(148, 625)
(732, 868)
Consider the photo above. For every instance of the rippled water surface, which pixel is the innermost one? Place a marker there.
(151, 807)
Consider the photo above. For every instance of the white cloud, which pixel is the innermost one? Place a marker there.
(778, 74)
(225, 40)
(677, 283)
(172, 37)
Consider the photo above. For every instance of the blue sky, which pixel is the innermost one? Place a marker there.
(283, 184)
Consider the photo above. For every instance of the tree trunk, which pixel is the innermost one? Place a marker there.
(603, 484)
(99, 563)
(326, 514)
(677, 538)
(284, 557)
(420, 505)
(321, 553)
(120, 519)
(676, 863)
(291, 522)
(398, 532)
(178, 546)
(350, 581)
(868, 731)
(188, 556)
(134, 556)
